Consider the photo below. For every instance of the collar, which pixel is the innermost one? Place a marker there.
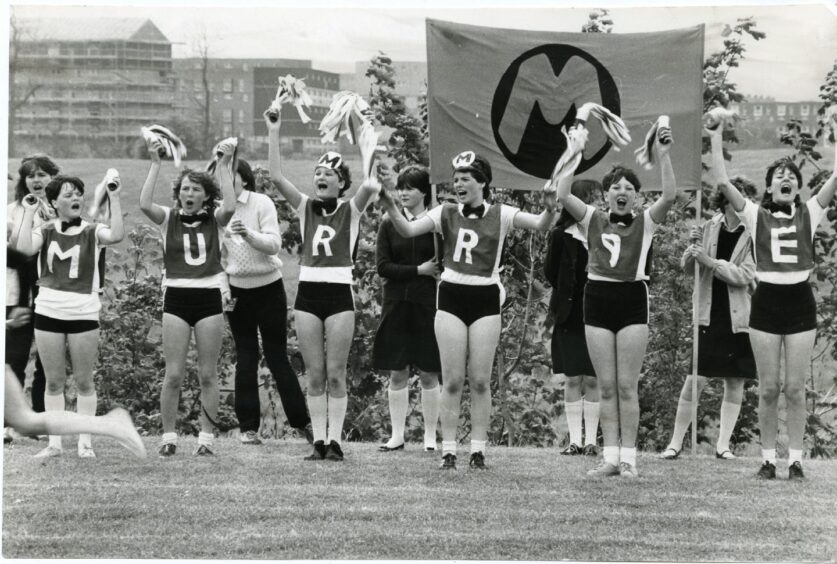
(720, 219)
(244, 197)
(411, 217)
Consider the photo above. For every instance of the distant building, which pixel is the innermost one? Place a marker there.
(87, 85)
(410, 81)
(764, 117)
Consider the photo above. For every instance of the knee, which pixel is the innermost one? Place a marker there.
(627, 392)
(336, 382)
(207, 378)
(607, 392)
(399, 379)
(452, 385)
(768, 392)
(173, 379)
(429, 380)
(795, 394)
(573, 385)
(480, 387)
(55, 386)
(85, 387)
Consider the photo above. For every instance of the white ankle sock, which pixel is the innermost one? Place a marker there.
(399, 402)
(628, 455)
(169, 438)
(86, 405)
(478, 446)
(54, 403)
(574, 411)
(768, 455)
(448, 447)
(430, 401)
(610, 454)
(794, 455)
(729, 415)
(317, 410)
(336, 417)
(591, 421)
(205, 438)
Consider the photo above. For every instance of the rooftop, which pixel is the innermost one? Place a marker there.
(98, 29)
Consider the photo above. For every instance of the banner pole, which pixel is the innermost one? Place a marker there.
(695, 331)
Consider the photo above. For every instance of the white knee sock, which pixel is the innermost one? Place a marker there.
(399, 403)
(317, 410)
(86, 405)
(681, 423)
(591, 421)
(430, 409)
(54, 403)
(729, 416)
(574, 411)
(336, 416)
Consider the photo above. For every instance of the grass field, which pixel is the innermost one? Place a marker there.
(531, 504)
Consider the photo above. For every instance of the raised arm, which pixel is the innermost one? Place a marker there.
(286, 188)
(368, 190)
(27, 242)
(405, 228)
(545, 219)
(826, 193)
(151, 210)
(662, 145)
(719, 169)
(115, 232)
(225, 181)
(576, 139)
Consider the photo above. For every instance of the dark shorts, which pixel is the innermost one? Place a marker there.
(52, 325)
(724, 354)
(615, 305)
(783, 309)
(406, 337)
(193, 304)
(468, 303)
(324, 299)
(569, 352)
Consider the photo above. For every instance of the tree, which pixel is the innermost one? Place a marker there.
(20, 89)
(598, 22)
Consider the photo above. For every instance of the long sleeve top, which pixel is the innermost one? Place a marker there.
(397, 261)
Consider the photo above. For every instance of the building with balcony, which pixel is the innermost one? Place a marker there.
(87, 85)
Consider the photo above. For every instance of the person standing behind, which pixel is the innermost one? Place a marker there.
(723, 249)
(260, 306)
(406, 336)
(565, 268)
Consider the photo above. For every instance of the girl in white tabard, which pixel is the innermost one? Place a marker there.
(784, 312)
(616, 297)
(192, 231)
(405, 336)
(470, 294)
(724, 252)
(67, 306)
(324, 310)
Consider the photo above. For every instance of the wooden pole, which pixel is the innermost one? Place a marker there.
(696, 331)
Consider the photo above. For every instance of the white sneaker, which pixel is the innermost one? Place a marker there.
(50, 452)
(7, 435)
(250, 438)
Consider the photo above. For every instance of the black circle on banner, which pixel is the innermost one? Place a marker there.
(542, 142)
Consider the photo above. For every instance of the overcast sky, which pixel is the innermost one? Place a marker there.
(789, 65)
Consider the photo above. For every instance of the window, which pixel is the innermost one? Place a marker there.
(757, 110)
(804, 109)
(240, 117)
(245, 97)
(241, 85)
(228, 85)
(227, 117)
(790, 110)
(781, 110)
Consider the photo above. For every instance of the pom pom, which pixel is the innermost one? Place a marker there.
(172, 145)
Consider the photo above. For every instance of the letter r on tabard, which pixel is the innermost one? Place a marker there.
(322, 237)
(466, 240)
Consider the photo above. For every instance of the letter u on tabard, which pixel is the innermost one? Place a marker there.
(466, 240)
(73, 253)
(191, 260)
(322, 237)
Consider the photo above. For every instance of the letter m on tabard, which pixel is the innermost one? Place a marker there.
(72, 254)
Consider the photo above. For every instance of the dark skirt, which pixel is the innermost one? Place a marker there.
(569, 352)
(783, 309)
(406, 337)
(724, 354)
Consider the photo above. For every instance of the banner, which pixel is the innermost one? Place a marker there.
(506, 93)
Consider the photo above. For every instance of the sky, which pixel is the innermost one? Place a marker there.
(789, 65)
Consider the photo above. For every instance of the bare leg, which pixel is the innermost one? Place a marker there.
(452, 336)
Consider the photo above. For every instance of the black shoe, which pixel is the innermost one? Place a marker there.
(795, 471)
(319, 451)
(168, 449)
(572, 450)
(307, 432)
(477, 461)
(448, 462)
(590, 450)
(385, 448)
(204, 450)
(334, 452)
(767, 471)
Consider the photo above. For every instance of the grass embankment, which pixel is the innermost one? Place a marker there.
(532, 504)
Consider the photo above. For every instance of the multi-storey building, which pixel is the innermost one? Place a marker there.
(764, 117)
(88, 84)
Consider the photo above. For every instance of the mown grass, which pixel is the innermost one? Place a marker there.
(532, 504)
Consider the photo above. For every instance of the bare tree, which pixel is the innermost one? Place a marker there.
(20, 90)
(204, 101)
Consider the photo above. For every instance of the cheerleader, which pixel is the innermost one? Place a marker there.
(67, 306)
(35, 173)
(191, 232)
(784, 312)
(565, 268)
(470, 294)
(723, 249)
(324, 310)
(405, 336)
(616, 297)
(16, 413)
